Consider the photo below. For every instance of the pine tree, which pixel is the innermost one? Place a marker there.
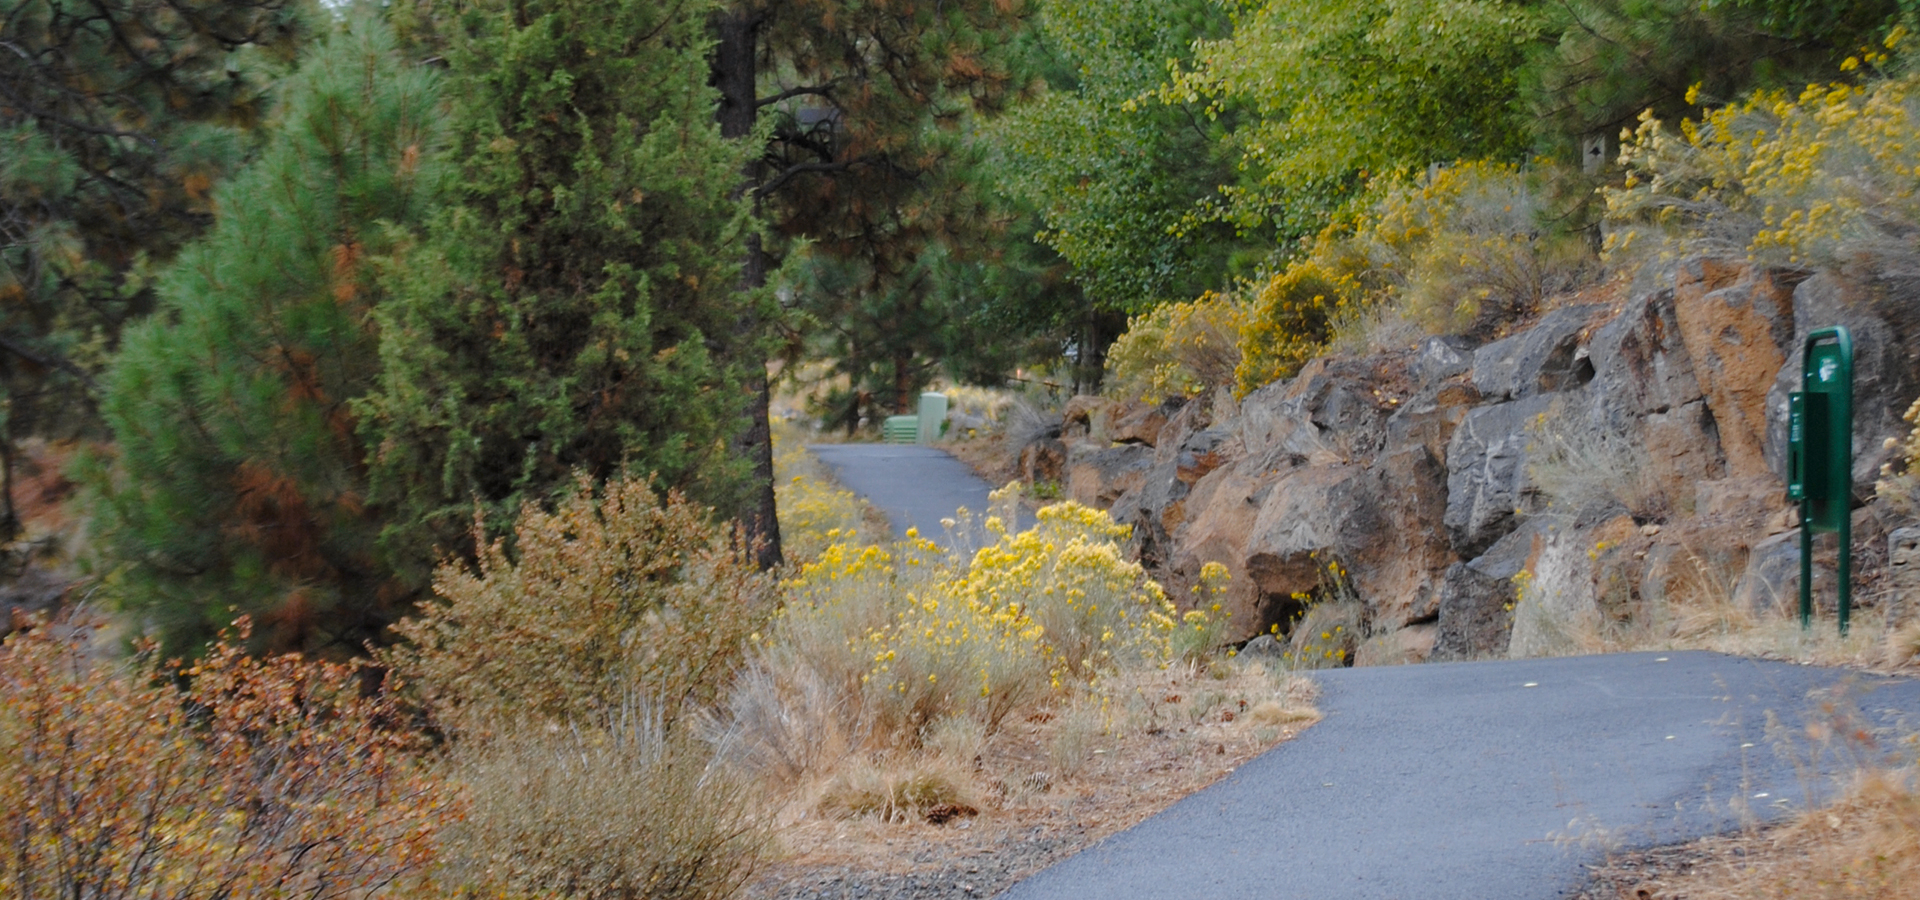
(858, 111)
(239, 481)
(1614, 58)
(117, 117)
(577, 305)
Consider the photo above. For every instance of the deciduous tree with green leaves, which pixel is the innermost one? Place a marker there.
(1123, 182)
(1341, 88)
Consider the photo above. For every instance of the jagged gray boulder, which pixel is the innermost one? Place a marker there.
(1487, 472)
(1476, 598)
(1100, 477)
(1546, 358)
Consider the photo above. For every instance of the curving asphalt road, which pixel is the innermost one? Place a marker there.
(1486, 780)
(1449, 781)
(915, 486)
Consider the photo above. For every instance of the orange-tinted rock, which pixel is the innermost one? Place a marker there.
(1736, 320)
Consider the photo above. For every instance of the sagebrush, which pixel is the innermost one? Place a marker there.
(616, 595)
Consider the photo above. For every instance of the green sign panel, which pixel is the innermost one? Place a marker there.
(1820, 458)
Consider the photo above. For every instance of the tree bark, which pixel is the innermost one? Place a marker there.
(737, 33)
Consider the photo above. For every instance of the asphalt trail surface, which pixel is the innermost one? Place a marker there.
(915, 486)
(1487, 780)
(1483, 780)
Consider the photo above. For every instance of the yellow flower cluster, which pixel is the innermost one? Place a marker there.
(1822, 174)
(1178, 348)
(1292, 320)
(1321, 634)
(1899, 481)
(813, 512)
(1435, 248)
(919, 634)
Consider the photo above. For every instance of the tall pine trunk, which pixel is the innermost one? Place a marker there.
(737, 34)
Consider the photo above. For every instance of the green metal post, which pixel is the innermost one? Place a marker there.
(1821, 460)
(1846, 567)
(1806, 566)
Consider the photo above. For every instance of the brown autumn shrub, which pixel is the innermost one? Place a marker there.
(614, 597)
(264, 778)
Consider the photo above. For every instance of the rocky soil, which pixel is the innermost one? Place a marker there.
(1623, 453)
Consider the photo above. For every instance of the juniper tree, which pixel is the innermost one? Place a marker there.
(239, 480)
(577, 305)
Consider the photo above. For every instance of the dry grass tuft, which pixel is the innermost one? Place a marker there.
(1864, 846)
(1902, 645)
(611, 812)
(897, 791)
(1273, 712)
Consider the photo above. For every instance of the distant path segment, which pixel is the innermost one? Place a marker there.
(915, 486)
(1453, 780)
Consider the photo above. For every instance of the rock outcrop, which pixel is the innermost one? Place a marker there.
(1620, 454)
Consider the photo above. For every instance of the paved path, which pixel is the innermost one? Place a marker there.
(1452, 781)
(1490, 780)
(915, 486)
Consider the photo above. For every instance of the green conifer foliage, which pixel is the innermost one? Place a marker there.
(240, 478)
(577, 304)
(1613, 58)
(117, 117)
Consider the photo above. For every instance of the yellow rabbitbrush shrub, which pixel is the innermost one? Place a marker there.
(907, 637)
(1826, 176)
(1899, 483)
(1462, 249)
(264, 778)
(813, 512)
(612, 598)
(1178, 349)
(1292, 321)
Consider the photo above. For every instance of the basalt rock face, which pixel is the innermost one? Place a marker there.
(1614, 457)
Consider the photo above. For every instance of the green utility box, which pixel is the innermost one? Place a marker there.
(1820, 458)
(933, 414)
(900, 429)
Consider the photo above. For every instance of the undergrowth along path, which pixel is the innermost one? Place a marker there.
(1491, 780)
(914, 486)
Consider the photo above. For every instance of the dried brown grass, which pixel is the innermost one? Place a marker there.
(1863, 846)
(897, 790)
(614, 812)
